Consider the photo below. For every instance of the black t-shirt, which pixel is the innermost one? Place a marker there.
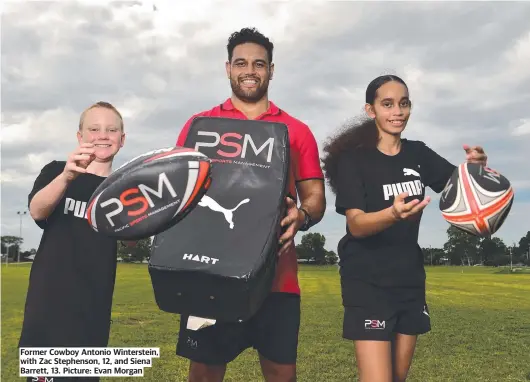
(72, 277)
(368, 180)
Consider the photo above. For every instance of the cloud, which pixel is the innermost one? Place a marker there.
(523, 128)
(466, 65)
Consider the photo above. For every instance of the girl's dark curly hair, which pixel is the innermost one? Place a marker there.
(354, 133)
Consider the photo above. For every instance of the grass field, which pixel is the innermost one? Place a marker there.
(480, 319)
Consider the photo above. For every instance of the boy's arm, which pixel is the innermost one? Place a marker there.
(53, 181)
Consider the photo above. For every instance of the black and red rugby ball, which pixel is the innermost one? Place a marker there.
(476, 199)
(150, 193)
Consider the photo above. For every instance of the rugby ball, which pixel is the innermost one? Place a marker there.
(476, 199)
(149, 193)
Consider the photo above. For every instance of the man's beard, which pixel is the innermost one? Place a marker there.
(251, 95)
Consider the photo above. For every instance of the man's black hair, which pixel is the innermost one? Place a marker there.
(249, 35)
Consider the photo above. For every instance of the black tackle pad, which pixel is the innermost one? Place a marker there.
(219, 262)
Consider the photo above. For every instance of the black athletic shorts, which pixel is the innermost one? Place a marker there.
(272, 331)
(370, 324)
(374, 313)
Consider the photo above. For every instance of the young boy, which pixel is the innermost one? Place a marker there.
(72, 277)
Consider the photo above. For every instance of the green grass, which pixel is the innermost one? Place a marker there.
(480, 318)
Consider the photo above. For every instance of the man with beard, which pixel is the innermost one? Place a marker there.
(273, 331)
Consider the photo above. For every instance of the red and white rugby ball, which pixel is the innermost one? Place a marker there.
(149, 193)
(476, 199)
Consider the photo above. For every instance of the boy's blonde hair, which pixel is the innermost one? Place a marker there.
(102, 104)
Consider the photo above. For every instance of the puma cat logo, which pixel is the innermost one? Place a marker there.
(408, 171)
(206, 201)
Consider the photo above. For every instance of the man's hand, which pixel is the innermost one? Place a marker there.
(475, 154)
(78, 161)
(312, 199)
(293, 221)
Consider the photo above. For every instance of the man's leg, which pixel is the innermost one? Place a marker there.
(276, 327)
(276, 372)
(201, 372)
(211, 349)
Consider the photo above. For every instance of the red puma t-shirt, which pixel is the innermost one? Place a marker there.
(305, 164)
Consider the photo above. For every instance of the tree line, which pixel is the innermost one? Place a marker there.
(11, 245)
(464, 249)
(460, 248)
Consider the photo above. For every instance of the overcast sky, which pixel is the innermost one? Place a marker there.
(467, 66)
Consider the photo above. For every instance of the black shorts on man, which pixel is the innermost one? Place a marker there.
(272, 331)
